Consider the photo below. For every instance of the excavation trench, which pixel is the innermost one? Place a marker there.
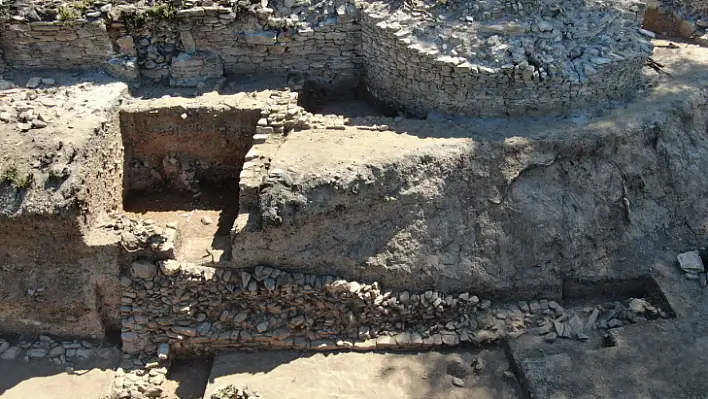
(182, 166)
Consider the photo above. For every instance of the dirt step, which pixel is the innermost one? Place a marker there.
(477, 374)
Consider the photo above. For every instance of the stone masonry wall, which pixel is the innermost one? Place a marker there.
(327, 52)
(406, 75)
(54, 45)
(177, 309)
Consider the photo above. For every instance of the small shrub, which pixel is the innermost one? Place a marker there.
(68, 13)
(19, 181)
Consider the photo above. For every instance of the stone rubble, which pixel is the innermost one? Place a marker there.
(59, 352)
(186, 309)
(232, 392)
(143, 237)
(135, 379)
(501, 61)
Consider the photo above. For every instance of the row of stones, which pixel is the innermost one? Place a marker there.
(417, 80)
(52, 46)
(190, 52)
(173, 308)
(61, 353)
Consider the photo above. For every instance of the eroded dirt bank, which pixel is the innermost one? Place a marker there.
(491, 207)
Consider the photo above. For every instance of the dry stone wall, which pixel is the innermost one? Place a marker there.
(55, 45)
(502, 70)
(328, 51)
(175, 309)
(506, 58)
(407, 77)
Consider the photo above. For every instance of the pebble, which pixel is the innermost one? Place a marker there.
(207, 220)
(690, 262)
(34, 82)
(458, 382)
(39, 124)
(36, 353)
(56, 351)
(550, 337)
(11, 353)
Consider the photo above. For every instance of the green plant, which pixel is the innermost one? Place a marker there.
(68, 13)
(158, 12)
(12, 176)
(163, 10)
(24, 182)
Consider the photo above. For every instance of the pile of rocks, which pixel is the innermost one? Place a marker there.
(139, 380)
(144, 236)
(547, 38)
(232, 392)
(34, 108)
(49, 11)
(177, 172)
(445, 60)
(182, 308)
(59, 352)
(282, 114)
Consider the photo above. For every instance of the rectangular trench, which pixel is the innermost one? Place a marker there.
(181, 167)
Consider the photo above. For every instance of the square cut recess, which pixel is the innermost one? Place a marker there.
(184, 158)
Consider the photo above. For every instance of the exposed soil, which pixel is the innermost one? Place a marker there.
(203, 223)
(427, 375)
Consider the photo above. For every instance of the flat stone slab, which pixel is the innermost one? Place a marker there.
(353, 375)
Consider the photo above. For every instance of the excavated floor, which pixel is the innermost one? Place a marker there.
(203, 223)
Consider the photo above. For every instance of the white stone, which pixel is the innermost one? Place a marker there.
(5, 85)
(11, 353)
(545, 26)
(163, 351)
(647, 33)
(691, 262)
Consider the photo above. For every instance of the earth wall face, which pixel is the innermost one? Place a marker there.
(518, 215)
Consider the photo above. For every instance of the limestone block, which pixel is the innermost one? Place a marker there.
(126, 45)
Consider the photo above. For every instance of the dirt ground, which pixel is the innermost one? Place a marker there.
(45, 380)
(351, 375)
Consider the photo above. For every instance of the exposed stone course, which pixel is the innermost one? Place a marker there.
(198, 309)
(54, 45)
(476, 60)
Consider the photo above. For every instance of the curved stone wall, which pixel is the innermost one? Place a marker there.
(415, 76)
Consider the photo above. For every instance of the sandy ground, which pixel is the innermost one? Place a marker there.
(45, 380)
(352, 375)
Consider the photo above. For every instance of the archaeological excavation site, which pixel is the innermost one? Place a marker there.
(353, 199)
